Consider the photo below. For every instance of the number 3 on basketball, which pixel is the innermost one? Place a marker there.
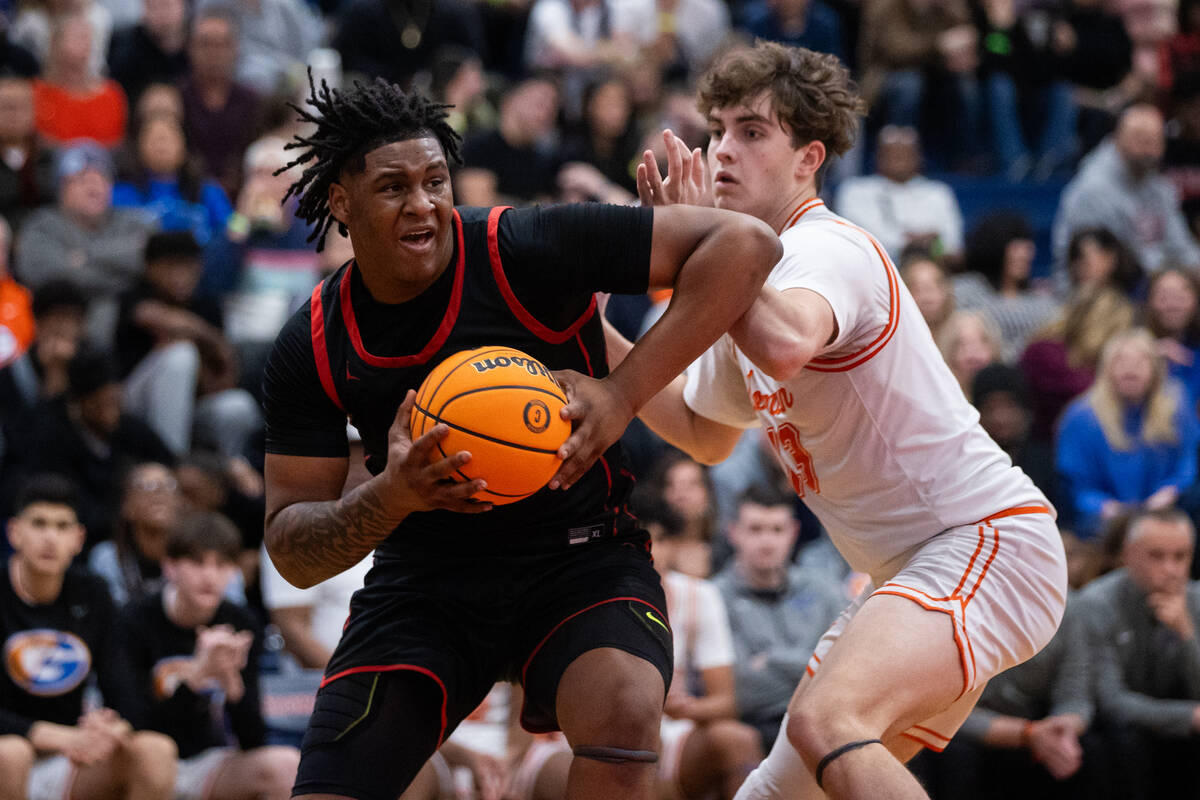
(786, 441)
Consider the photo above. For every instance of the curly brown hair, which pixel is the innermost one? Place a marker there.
(811, 93)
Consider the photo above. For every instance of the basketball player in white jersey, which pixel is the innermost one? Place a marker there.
(836, 363)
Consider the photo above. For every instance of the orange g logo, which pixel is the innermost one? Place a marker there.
(47, 663)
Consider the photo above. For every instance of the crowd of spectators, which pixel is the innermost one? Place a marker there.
(147, 260)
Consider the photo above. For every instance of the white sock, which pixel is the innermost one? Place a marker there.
(781, 775)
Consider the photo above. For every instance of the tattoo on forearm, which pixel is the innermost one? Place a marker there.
(319, 540)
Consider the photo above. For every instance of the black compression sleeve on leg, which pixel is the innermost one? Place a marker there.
(841, 751)
(614, 755)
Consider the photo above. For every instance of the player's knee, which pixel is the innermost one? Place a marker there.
(631, 718)
(16, 760)
(274, 770)
(818, 722)
(622, 739)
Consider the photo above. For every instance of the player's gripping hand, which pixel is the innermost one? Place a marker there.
(599, 415)
(417, 478)
(687, 180)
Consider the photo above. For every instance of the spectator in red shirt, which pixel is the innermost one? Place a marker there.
(72, 101)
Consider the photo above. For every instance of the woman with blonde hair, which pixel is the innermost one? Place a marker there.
(969, 341)
(927, 282)
(1130, 441)
(1060, 363)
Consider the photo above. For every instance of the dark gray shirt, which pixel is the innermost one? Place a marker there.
(774, 634)
(1145, 674)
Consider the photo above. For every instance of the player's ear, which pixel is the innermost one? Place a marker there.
(339, 202)
(809, 159)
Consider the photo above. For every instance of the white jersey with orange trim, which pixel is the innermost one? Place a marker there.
(875, 434)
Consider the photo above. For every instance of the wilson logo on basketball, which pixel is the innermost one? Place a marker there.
(528, 364)
(47, 663)
(537, 416)
(504, 408)
(775, 403)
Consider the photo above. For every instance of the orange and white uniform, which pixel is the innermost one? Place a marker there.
(879, 440)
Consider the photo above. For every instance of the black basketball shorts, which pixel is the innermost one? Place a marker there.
(429, 637)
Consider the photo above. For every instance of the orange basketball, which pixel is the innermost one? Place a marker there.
(501, 406)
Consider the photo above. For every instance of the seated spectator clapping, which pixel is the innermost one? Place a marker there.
(190, 669)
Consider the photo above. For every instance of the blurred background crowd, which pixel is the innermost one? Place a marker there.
(1031, 166)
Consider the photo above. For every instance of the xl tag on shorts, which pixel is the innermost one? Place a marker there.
(585, 534)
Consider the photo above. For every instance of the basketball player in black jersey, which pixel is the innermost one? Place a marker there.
(556, 591)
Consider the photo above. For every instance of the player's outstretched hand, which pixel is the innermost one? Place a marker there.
(599, 415)
(687, 180)
(420, 478)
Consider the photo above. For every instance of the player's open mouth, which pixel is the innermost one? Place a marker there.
(723, 179)
(418, 240)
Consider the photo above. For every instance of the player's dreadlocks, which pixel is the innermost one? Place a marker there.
(351, 123)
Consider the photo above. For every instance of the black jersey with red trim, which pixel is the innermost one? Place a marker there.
(52, 650)
(522, 278)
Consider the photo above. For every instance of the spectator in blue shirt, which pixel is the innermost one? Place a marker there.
(166, 180)
(1130, 441)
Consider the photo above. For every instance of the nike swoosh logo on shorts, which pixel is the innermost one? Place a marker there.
(657, 621)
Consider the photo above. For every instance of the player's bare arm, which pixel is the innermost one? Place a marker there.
(783, 331)
(691, 250)
(314, 533)
(666, 413)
